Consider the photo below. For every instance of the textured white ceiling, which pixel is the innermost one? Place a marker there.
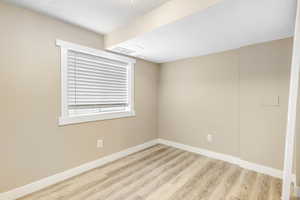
(227, 25)
(101, 16)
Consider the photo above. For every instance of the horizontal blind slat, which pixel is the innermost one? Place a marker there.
(96, 102)
(95, 105)
(98, 84)
(89, 78)
(88, 102)
(121, 106)
(102, 93)
(85, 89)
(97, 95)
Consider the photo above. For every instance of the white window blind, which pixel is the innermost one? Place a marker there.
(95, 83)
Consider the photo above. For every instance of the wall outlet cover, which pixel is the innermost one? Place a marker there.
(99, 143)
(209, 138)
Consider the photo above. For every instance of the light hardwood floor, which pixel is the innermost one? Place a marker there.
(165, 173)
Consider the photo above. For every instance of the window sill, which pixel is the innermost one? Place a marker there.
(96, 117)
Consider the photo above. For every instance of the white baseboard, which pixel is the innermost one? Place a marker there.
(297, 191)
(231, 159)
(43, 183)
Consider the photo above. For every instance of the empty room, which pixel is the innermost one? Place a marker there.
(150, 100)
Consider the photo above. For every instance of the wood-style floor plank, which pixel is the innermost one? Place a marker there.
(165, 173)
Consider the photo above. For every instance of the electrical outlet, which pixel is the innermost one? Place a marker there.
(99, 143)
(209, 138)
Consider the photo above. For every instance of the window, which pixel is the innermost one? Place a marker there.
(95, 85)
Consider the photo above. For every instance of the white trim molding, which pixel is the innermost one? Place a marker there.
(51, 180)
(297, 191)
(96, 117)
(227, 158)
(292, 111)
(204, 152)
(96, 52)
(65, 117)
(46, 182)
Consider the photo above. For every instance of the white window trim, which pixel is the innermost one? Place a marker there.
(65, 119)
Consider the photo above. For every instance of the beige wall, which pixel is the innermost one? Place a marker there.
(264, 77)
(199, 96)
(32, 145)
(230, 95)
